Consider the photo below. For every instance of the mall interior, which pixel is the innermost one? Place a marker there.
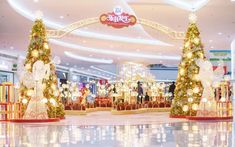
(117, 73)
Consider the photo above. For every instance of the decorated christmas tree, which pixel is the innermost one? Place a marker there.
(39, 49)
(188, 89)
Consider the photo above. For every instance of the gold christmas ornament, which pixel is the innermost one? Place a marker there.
(189, 55)
(185, 108)
(28, 66)
(190, 100)
(187, 44)
(53, 86)
(182, 71)
(24, 101)
(45, 45)
(35, 53)
(196, 40)
(196, 77)
(195, 90)
(195, 107)
(30, 92)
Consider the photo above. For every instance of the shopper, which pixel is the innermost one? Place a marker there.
(146, 99)
(172, 89)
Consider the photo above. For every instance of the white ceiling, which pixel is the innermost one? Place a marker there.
(217, 16)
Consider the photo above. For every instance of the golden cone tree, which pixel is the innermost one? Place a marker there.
(188, 89)
(39, 49)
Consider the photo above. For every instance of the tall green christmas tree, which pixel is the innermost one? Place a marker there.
(39, 49)
(188, 89)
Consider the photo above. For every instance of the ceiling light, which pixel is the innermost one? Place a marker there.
(91, 55)
(212, 46)
(11, 47)
(219, 33)
(192, 5)
(61, 17)
(210, 40)
(99, 69)
(113, 52)
(35, 1)
(97, 60)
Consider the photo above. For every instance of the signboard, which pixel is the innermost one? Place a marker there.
(118, 18)
(221, 55)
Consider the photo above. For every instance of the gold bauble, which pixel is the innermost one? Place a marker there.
(189, 55)
(196, 40)
(195, 107)
(30, 92)
(187, 44)
(195, 90)
(182, 71)
(53, 86)
(35, 53)
(196, 77)
(185, 108)
(28, 66)
(45, 45)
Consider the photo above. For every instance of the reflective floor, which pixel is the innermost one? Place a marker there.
(63, 134)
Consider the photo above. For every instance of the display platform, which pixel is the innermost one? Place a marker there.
(116, 112)
(139, 111)
(177, 116)
(202, 118)
(34, 120)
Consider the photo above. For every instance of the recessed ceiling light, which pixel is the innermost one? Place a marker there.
(11, 47)
(212, 46)
(61, 17)
(83, 41)
(91, 55)
(138, 50)
(35, 1)
(219, 33)
(210, 40)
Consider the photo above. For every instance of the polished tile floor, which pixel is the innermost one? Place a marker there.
(101, 129)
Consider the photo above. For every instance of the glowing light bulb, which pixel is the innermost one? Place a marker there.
(24, 101)
(30, 92)
(192, 18)
(195, 107)
(204, 100)
(35, 53)
(195, 90)
(44, 100)
(182, 71)
(189, 55)
(190, 100)
(45, 45)
(185, 108)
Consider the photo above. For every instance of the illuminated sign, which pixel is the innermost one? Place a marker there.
(118, 18)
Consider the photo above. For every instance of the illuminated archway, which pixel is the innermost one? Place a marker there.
(85, 22)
